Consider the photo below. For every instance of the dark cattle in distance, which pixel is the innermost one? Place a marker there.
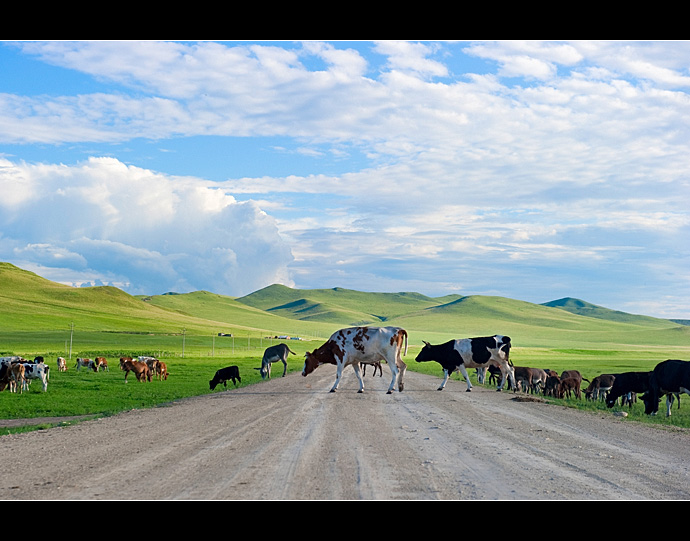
(224, 375)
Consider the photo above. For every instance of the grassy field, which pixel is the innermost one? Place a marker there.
(38, 317)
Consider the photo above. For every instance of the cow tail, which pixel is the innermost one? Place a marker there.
(405, 333)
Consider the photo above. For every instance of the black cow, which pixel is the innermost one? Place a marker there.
(668, 378)
(279, 352)
(627, 382)
(224, 375)
(466, 353)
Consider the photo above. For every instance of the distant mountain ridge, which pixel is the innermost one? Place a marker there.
(32, 303)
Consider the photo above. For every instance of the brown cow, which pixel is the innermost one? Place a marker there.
(140, 369)
(17, 378)
(161, 370)
(569, 386)
(62, 364)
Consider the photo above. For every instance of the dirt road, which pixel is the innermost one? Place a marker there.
(289, 438)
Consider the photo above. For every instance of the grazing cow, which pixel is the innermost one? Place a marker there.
(375, 365)
(362, 345)
(87, 363)
(161, 370)
(224, 375)
(101, 364)
(150, 362)
(668, 377)
(533, 378)
(40, 371)
(62, 364)
(140, 369)
(599, 386)
(552, 386)
(569, 386)
(17, 377)
(273, 354)
(625, 384)
(572, 374)
(466, 353)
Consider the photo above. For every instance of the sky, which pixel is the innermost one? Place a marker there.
(533, 170)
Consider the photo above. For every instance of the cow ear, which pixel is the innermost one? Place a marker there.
(426, 343)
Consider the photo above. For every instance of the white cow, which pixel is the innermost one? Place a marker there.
(38, 371)
(361, 345)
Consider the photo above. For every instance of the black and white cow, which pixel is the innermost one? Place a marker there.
(273, 354)
(224, 375)
(39, 371)
(362, 345)
(668, 378)
(466, 353)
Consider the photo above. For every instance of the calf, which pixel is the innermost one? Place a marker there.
(224, 375)
(17, 377)
(625, 384)
(668, 377)
(569, 386)
(375, 365)
(533, 378)
(62, 364)
(599, 386)
(552, 386)
(161, 370)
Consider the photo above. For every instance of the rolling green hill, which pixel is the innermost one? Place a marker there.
(31, 303)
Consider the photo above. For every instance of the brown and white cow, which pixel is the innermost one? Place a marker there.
(101, 364)
(62, 364)
(140, 369)
(362, 345)
(17, 377)
(471, 353)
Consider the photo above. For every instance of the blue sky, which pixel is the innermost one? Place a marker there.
(533, 170)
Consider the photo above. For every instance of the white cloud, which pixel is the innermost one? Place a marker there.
(160, 233)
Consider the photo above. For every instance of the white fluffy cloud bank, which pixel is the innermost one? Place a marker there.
(139, 230)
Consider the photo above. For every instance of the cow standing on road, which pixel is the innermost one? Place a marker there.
(458, 355)
(362, 345)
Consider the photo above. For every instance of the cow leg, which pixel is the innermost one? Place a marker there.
(394, 372)
(481, 375)
(338, 373)
(402, 368)
(355, 367)
(463, 370)
(284, 367)
(446, 375)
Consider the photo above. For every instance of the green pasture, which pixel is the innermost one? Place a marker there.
(39, 317)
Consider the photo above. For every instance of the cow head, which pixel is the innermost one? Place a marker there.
(651, 403)
(425, 354)
(310, 364)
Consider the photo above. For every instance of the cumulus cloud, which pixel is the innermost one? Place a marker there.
(161, 233)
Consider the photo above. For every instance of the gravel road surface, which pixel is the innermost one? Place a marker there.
(289, 438)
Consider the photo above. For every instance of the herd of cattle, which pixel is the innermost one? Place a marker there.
(362, 346)
(490, 355)
(16, 373)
